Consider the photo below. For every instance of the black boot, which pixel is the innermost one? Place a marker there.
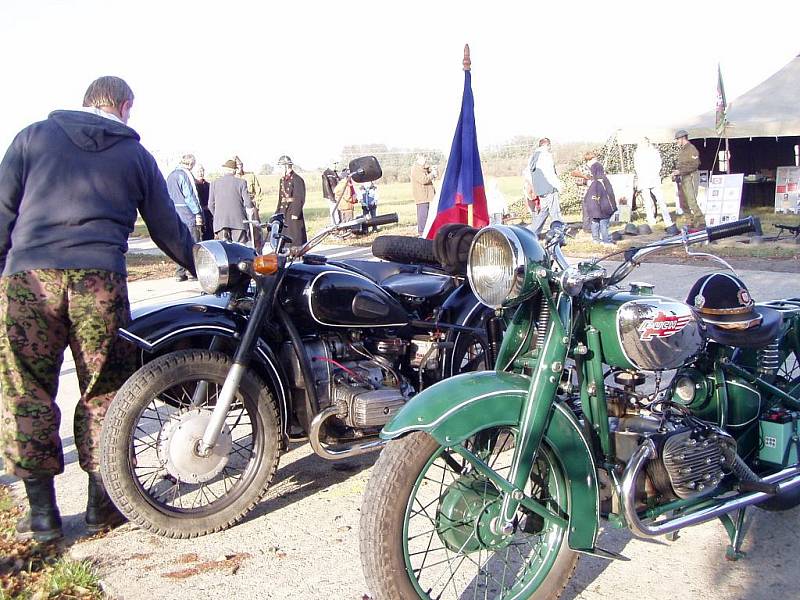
(100, 511)
(42, 522)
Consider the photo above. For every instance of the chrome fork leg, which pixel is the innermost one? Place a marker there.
(220, 412)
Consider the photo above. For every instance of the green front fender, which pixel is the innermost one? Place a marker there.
(454, 409)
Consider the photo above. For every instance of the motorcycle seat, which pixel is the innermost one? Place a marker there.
(759, 336)
(376, 270)
(417, 288)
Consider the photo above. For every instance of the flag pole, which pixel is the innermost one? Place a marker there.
(467, 64)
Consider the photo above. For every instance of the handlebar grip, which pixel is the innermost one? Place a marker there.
(734, 228)
(381, 220)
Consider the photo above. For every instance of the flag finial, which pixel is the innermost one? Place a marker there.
(467, 62)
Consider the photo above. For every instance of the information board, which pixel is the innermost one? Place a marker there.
(723, 198)
(787, 195)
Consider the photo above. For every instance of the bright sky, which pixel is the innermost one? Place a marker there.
(306, 78)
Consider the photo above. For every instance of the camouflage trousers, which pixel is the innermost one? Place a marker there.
(41, 313)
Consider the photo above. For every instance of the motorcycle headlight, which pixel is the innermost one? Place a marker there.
(217, 262)
(501, 264)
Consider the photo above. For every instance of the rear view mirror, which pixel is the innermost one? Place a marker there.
(364, 169)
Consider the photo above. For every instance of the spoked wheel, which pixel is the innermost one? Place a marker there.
(470, 351)
(427, 525)
(152, 467)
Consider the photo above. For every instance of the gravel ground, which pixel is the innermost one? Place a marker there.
(302, 540)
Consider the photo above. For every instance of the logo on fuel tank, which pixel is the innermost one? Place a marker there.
(663, 325)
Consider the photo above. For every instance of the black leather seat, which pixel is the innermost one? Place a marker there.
(419, 287)
(759, 336)
(377, 270)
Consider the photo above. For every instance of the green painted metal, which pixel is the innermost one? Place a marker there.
(464, 514)
(764, 386)
(455, 409)
(603, 317)
(538, 406)
(597, 399)
(518, 336)
(505, 486)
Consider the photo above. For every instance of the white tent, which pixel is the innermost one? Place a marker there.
(771, 109)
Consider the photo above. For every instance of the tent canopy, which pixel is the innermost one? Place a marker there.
(771, 109)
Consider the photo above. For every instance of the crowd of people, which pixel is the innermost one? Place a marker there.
(542, 186)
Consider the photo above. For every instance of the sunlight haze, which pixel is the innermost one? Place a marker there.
(306, 78)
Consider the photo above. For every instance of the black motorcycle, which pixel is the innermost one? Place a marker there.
(285, 346)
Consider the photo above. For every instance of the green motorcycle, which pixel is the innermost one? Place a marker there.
(611, 404)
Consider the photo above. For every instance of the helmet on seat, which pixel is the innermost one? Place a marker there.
(722, 300)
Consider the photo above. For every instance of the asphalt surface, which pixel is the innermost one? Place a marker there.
(302, 540)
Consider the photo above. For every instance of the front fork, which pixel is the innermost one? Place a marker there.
(538, 406)
(262, 308)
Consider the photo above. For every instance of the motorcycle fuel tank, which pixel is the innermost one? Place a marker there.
(646, 332)
(325, 295)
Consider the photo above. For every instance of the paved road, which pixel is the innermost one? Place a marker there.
(302, 541)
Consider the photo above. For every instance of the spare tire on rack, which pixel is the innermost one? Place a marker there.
(404, 249)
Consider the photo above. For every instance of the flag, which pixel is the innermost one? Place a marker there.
(722, 105)
(462, 185)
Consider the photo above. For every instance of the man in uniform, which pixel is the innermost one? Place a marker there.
(183, 191)
(253, 186)
(422, 189)
(291, 198)
(70, 187)
(230, 203)
(688, 177)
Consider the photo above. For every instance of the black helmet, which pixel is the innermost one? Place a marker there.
(722, 299)
(284, 160)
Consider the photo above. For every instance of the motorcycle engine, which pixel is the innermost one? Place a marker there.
(693, 456)
(365, 385)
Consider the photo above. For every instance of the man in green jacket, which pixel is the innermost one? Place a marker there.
(688, 177)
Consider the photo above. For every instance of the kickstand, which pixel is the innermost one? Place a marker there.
(736, 532)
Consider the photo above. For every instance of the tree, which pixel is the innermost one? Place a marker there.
(266, 169)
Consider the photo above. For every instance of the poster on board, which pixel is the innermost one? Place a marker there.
(787, 194)
(722, 199)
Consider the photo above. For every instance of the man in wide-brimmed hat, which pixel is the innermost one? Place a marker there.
(230, 204)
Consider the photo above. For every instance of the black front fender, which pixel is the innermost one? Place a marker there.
(157, 329)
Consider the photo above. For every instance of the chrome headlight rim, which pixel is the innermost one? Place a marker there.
(518, 261)
(222, 277)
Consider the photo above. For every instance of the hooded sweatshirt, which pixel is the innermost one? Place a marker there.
(70, 187)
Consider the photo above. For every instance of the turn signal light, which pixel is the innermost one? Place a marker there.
(265, 264)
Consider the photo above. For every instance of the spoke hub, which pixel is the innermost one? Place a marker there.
(179, 444)
(466, 513)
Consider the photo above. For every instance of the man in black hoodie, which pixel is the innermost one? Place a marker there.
(70, 187)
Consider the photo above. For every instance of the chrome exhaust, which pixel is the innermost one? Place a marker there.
(785, 480)
(338, 452)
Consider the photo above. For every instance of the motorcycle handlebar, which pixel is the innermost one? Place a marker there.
(381, 220)
(734, 228)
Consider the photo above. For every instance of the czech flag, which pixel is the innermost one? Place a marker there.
(462, 186)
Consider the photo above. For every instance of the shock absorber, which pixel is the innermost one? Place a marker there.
(542, 323)
(769, 358)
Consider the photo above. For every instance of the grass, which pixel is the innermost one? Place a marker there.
(29, 569)
(396, 197)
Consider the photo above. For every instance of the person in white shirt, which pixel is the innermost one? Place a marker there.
(647, 164)
(495, 202)
(546, 185)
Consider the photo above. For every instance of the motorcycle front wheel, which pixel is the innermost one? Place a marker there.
(151, 466)
(426, 525)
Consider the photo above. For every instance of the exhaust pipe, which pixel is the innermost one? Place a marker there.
(785, 480)
(338, 452)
